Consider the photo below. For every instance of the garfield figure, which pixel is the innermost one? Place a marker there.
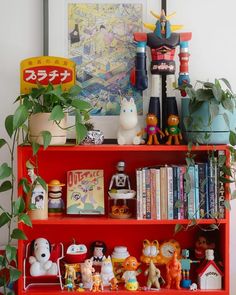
(150, 251)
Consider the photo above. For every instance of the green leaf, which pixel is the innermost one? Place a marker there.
(14, 274)
(9, 125)
(80, 104)
(226, 180)
(193, 222)
(74, 90)
(47, 137)
(18, 234)
(228, 104)
(11, 292)
(227, 84)
(213, 110)
(81, 132)
(2, 142)
(35, 147)
(25, 185)
(57, 113)
(42, 182)
(218, 92)
(5, 186)
(226, 118)
(178, 228)
(25, 219)
(5, 171)
(18, 206)
(20, 116)
(2, 261)
(232, 138)
(11, 253)
(221, 160)
(214, 226)
(4, 219)
(227, 204)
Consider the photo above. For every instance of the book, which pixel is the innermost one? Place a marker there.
(175, 192)
(191, 194)
(196, 187)
(158, 194)
(182, 194)
(221, 189)
(153, 192)
(170, 207)
(139, 193)
(211, 188)
(85, 192)
(148, 193)
(163, 193)
(203, 188)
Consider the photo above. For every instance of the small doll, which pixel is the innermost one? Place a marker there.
(98, 249)
(55, 202)
(172, 130)
(131, 272)
(152, 129)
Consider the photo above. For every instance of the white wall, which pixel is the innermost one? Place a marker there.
(212, 23)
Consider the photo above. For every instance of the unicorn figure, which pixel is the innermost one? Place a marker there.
(129, 129)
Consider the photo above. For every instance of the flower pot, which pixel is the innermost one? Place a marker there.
(40, 122)
(215, 133)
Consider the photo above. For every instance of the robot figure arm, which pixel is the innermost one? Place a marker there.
(139, 77)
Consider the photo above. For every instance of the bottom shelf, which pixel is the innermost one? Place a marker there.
(55, 290)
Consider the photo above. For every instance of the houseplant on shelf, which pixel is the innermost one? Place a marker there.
(208, 115)
(47, 107)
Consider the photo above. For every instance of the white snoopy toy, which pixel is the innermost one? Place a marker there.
(40, 263)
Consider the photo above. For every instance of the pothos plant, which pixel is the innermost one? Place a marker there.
(9, 218)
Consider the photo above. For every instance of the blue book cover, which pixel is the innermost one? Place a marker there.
(196, 186)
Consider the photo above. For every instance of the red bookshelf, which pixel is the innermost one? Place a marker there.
(54, 162)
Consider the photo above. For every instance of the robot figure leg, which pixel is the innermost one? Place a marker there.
(154, 103)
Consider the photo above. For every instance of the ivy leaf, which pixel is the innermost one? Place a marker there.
(2, 142)
(18, 234)
(25, 185)
(29, 165)
(35, 147)
(42, 182)
(75, 90)
(20, 116)
(11, 253)
(232, 138)
(80, 104)
(9, 125)
(178, 228)
(227, 204)
(57, 113)
(14, 274)
(5, 171)
(47, 137)
(25, 219)
(5, 186)
(18, 206)
(213, 110)
(81, 132)
(4, 219)
(214, 226)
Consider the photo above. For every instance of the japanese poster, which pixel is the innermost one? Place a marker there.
(85, 192)
(100, 42)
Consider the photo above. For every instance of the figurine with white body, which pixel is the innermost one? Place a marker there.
(131, 272)
(55, 202)
(162, 42)
(128, 123)
(40, 263)
(98, 249)
(87, 271)
(120, 180)
(154, 275)
(107, 271)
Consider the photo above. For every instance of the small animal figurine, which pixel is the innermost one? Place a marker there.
(153, 276)
(107, 271)
(97, 284)
(113, 284)
(98, 249)
(70, 277)
(131, 272)
(172, 130)
(55, 202)
(152, 129)
(150, 251)
(87, 271)
(40, 263)
(128, 123)
(173, 273)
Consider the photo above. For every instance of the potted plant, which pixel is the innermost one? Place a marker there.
(208, 115)
(47, 107)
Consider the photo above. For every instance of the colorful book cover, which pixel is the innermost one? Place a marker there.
(85, 192)
(175, 192)
(203, 188)
(182, 194)
(139, 193)
(153, 193)
(191, 194)
(196, 187)
(158, 194)
(148, 193)
(211, 189)
(164, 196)
(170, 206)
(221, 188)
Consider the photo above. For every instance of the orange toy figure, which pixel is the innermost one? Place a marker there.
(173, 131)
(152, 129)
(130, 266)
(97, 285)
(173, 273)
(113, 284)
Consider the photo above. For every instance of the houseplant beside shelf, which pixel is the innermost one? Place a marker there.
(208, 115)
(46, 107)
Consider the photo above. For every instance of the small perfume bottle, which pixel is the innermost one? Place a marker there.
(74, 35)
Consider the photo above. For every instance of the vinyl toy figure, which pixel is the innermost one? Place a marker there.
(172, 130)
(173, 273)
(152, 129)
(130, 266)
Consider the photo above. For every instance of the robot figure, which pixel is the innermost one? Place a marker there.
(162, 43)
(185, 266)
(120, 180)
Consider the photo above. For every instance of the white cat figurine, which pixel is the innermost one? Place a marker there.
(107, 271)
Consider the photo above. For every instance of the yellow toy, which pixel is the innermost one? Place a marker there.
(150, 251)
(97, 285)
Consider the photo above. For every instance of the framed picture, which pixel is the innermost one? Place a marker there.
(98, 36)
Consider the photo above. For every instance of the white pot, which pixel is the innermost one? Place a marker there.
(40, 122)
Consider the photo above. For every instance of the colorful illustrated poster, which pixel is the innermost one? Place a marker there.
(85, 192)
(100, 38)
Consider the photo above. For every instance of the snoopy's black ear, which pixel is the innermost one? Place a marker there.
(50, 246)
(32, 248)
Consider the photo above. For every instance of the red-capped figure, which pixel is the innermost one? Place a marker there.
(162, 43)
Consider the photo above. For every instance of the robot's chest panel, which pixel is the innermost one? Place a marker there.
(155, 42)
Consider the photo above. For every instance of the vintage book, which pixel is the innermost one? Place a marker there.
(144, 194)
(85, 192)
(203, 188)
(170, 206)
(158, 194)
(221, 189)
(196, 187)
(153, 192)
(164, 196)
(211, 188)
(191, 194)
(148, 193)
(182, 194)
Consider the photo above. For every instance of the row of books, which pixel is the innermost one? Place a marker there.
(181, 191)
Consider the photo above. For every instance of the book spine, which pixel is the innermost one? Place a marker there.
(211, 188)
(207, 205)
(170, 207)
(202, 181)
(196, 182)
(164, 198)
(153, 193)
(191, 194)
(175, 192)
(158, 194)
(182, 170)
(148, 194)
(216, 177)
(221, 189)
(144, 170)
(139, 193)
